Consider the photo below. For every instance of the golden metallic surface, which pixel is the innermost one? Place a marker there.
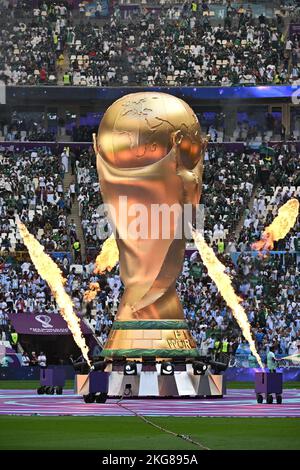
(149, 267)
(149, 148)
(150, 339)
(140, 129)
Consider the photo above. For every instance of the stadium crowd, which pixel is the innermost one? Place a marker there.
(278, 181)
(175, 45)
(180, 46)
(89, 197)
(231, 180)
(242, 188)
(21, 131)
(31, 187)
(269, 288)
(228, 186)
(31, 52)
(223, 208)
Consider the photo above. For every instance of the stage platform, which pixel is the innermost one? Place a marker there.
(237, 403)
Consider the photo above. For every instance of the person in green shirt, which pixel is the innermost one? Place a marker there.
(77, 251)
(194, 7)
(252, 362)
(66, 79)
(221, 247)
(14, 339)
(271, 360)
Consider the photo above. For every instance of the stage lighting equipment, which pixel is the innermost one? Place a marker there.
(99, 365)
(81, 367)
(148, 364)
(130, 368)
(218, 367)
(101, 397)
(149, 360)
(199, 368)
(128, 390)
(167, 368)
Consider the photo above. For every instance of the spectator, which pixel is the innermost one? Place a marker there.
(42, 361)
(77, 251)
(14, 338)
(25, 359)
(33, 359)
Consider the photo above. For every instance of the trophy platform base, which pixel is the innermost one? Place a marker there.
(151, 384)
(149, 338)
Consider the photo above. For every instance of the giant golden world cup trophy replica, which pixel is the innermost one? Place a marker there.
(149, 151)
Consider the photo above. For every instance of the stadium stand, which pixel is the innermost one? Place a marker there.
(31, 187)
(154, 44)
(173, 45)
(268, 287)
(178, 47)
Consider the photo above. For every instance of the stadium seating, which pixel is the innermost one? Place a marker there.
(176, 47)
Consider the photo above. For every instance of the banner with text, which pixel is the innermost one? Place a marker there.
(40, 324)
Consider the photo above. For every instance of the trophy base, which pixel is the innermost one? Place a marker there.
(151, 384)
(154, 338)
(154, 385)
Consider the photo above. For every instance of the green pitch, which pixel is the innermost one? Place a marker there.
(60, 433)
(27, 384)
(119, 433)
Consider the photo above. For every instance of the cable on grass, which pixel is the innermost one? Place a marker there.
(161, 428)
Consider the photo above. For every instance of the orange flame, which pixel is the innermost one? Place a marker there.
(108, 256)
(105, 261)
(280, 227)
(216, 271)
(91, 293)
(51, 273)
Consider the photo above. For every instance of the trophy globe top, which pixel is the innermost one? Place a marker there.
(140, 129)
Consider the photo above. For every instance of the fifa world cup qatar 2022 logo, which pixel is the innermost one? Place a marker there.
(150, 151)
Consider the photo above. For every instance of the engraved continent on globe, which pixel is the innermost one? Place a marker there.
(141, 128)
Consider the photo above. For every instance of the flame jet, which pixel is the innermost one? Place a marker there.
(108, 256)
(51, 273)
(223, 282)
(105, 261)
(91, 293)
(280, 227)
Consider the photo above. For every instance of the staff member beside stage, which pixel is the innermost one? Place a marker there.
(25, 359)
(42, 360)
(271, 360)
(224, 356)
(14, 339)
(217, 349)
(34, 359)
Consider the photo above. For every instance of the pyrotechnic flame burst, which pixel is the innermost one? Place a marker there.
(294, 357)
(108, 256)
(51, 273)
(91, 293)
(105, 261)
(216, 271)
(280, 227)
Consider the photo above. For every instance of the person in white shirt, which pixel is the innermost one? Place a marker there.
(25, 359)
(72, 192)
(65, 160)
(42, 361)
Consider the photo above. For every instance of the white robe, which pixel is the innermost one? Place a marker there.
(65, 162)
